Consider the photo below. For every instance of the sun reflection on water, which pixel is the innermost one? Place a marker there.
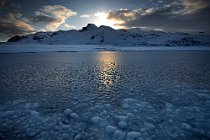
(107, 72)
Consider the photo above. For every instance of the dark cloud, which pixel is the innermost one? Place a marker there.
(14, 24)
(2, 3)
(52, 16)
(42, 19)
(49, 18)
(8, 7)
(195, 5)
(175, 17)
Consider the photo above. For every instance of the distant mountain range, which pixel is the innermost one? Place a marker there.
(105, 35)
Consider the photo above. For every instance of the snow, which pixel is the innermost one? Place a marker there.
(52, 95)
(104, 35)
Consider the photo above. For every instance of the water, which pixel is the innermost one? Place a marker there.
(157, 94)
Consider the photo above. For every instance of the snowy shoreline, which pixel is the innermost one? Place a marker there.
(29, 48)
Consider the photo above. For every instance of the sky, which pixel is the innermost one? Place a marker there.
(21, 17)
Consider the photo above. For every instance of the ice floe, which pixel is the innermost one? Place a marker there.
(26, 120)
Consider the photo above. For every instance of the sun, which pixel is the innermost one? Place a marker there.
(102, 19)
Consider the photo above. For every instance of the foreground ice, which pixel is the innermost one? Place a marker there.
(105, 95)
(133, 119)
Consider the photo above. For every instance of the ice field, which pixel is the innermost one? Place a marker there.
(105, 95)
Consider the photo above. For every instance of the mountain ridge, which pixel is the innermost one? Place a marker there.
(105, 35)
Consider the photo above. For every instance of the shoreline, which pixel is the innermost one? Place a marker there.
(5, 49)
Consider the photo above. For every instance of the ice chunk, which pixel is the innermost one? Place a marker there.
(119, 134)
(100, 107)
(149, 125)
(57, 128)
(65, 126)
(95, 120)
(34, 113)
(130, 100)
(74, 115)
(131, 90)
(169, 107)
(107, 106)
(130, 115)
(7, 114)
(67, 112)
(122, 118)
(133, 135)
(98, 121)
(35, 105)
(186, 126)
(122, 124)
(110, 129)
(125, 105)
(129, 103)
(65, 136)
(103, 113)
(31, 132)
(78, 137)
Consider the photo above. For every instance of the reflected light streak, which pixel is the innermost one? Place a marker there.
(107, 73)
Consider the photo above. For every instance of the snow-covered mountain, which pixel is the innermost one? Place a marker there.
(104, 35)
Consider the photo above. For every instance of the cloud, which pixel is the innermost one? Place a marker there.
(2, 3)
(128, 15)
(67, 26)
(174, 17)
(84, 16)
(15, 24)
(9, 6)
(43, 19)
(195, 5)
(48, 18)
(52, 16)
(122, 15)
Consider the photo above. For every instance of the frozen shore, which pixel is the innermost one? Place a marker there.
(5, 48)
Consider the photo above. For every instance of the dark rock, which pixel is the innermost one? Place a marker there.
(16, 38)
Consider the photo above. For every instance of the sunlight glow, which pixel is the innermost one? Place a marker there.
(102, 19)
